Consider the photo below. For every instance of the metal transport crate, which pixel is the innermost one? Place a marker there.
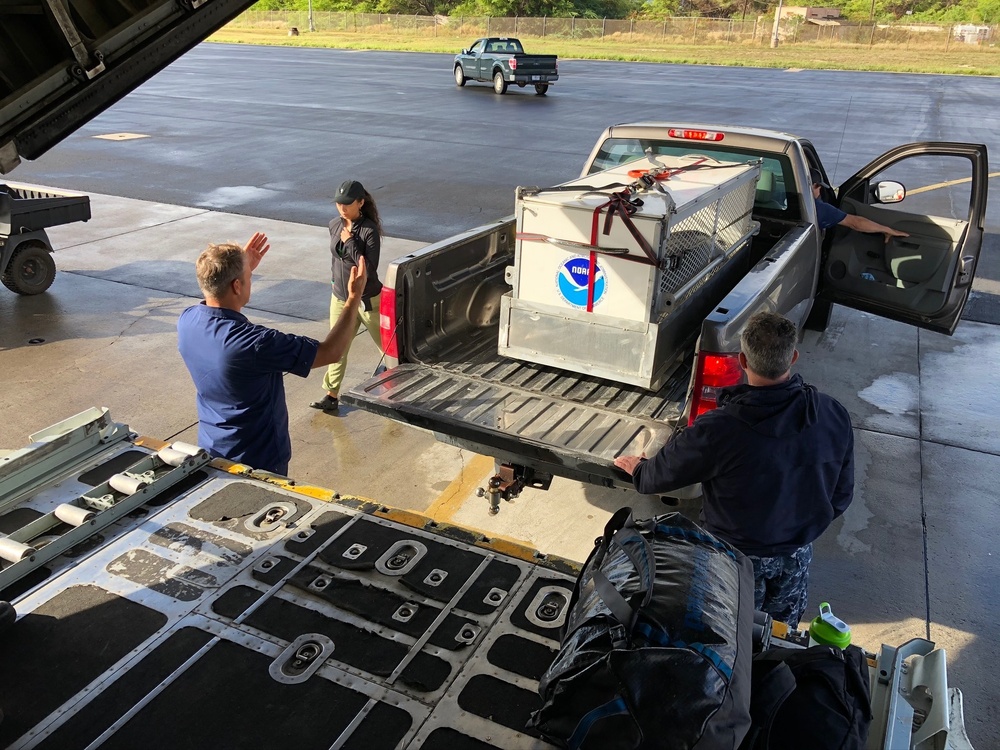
(604, 264)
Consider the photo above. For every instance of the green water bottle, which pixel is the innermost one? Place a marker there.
(829, 630)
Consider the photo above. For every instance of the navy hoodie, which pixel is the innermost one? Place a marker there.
(776, 464)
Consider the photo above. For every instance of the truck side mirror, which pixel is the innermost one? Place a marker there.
(465, 51)
(888, 191)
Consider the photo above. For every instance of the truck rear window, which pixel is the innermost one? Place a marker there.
(771, 199)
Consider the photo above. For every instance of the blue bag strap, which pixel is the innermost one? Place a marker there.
(614, 707)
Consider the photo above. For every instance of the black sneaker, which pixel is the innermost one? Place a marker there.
(328, 404)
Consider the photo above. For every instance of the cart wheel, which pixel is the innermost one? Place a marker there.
(541, 88)
(31, 270)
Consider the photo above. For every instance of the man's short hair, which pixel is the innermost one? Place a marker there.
(218, 266)
(768, 342)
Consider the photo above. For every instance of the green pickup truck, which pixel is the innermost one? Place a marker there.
(502, 60)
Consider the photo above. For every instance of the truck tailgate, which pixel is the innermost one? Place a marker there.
(536, 64)
(567, 424)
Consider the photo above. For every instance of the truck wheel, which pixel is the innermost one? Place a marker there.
(541, 88)
(31, 270)
(819, 316)
(499, 84)
(459, 76)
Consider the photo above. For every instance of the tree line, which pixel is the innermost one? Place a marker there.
(917, 11)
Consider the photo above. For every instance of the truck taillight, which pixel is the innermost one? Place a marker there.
(513, 63)
(714, 371)
(696, 135)
(387, 322)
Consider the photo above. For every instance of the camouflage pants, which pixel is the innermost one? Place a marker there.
(781, 584)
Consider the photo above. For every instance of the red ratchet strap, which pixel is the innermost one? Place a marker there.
(624, 205)
(664, 173)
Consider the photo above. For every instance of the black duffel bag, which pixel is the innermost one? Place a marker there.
(656, 649)
(817, 698)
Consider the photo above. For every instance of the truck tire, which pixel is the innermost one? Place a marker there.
(499, 84)
(541, 88)
(31, 269)
(819, 316)
(459, 76)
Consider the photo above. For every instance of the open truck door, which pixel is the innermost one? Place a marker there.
(923, 279)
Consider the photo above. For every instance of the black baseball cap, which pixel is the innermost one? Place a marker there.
(817, 178)
(349, 191)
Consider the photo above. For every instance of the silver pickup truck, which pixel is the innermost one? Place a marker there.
(440, 306)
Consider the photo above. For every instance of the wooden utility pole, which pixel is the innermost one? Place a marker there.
(777, 23)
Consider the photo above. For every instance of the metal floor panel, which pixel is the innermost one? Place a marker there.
(244, 645)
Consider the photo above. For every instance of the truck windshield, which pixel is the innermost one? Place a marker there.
(776, 171)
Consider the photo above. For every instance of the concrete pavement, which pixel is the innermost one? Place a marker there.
(915, 552)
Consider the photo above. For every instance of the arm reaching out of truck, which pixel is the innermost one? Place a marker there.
(862, 224)
(829, 215)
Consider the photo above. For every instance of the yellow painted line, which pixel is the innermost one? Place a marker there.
(949, 183)
(151, 443)
(471, 476)
(446, 505)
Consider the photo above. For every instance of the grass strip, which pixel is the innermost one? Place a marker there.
(960, 59)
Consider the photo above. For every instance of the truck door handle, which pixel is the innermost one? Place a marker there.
(966, 268)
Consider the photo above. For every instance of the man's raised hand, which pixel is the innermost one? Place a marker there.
(359, 276)
(256, 248)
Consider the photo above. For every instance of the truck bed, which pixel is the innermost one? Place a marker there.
(516, 410)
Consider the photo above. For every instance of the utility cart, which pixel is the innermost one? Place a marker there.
(26, 264)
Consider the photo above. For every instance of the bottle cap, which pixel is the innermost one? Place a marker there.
(828, 629)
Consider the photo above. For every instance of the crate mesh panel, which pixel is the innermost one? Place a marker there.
(710, 231)
(734, 214)
(689, 248)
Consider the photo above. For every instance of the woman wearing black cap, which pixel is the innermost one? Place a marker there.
(355, 234)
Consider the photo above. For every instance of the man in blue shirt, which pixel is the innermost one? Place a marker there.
(829, 216)
(238, 366)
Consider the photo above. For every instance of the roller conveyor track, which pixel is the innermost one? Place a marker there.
(37, 526)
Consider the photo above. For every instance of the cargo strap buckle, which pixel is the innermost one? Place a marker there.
(619, 636)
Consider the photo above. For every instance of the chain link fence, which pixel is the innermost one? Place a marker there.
(678, 30)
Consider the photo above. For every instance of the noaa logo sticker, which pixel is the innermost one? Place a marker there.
(573, 278)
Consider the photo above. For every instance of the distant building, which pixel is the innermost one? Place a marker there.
(814, 15)
(970, 33)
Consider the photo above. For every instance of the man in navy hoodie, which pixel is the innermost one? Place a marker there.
(776, 463)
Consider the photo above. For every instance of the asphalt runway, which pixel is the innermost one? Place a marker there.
(236, 132)
(270, 131)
